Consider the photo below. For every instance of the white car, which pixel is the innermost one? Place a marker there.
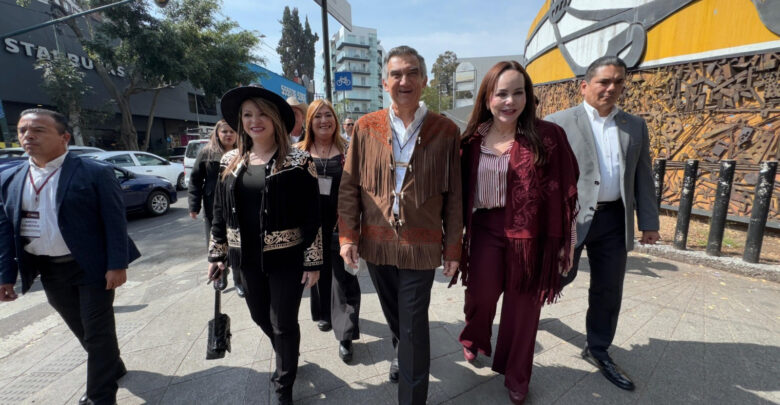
(144, 163)
(78, 150)
(190, 154)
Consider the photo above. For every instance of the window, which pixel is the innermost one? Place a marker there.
(121, 160)
(148, 160)
(119, 175)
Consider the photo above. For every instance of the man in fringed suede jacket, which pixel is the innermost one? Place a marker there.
(400, 208)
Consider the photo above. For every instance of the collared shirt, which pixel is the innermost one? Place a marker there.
(404, 139)
(605, 133)
(491, 174)
(50, 243)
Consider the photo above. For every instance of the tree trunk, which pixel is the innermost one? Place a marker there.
(150, 121)
(75, 122)
(128, 138)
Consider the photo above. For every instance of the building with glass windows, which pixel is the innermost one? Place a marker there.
(358, 52)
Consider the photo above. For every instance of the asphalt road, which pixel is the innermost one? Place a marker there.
(164, 242)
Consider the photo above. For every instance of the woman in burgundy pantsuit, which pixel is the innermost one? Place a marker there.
(520, 197)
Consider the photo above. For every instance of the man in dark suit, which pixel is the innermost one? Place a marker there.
(63, 217)
(612, 150)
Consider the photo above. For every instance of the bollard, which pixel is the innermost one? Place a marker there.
(721, 206)
(686, 203)
(659, 171)
(761, 199)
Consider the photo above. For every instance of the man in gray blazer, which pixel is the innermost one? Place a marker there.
(612, 150)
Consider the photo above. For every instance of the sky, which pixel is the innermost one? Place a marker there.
(467, 27)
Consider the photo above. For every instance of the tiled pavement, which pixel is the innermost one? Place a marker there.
(686, 335)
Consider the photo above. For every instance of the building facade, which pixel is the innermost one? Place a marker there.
(359, 52)
(180, 111)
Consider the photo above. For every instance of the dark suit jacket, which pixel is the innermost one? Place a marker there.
(90, 214)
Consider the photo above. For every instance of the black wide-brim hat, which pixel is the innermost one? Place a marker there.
(232, 100)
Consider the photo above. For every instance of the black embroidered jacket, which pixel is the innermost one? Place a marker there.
(292, 232)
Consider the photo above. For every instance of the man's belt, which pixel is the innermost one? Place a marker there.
(53, 259)
(602, 205)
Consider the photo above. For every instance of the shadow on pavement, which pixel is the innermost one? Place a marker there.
(671, 371)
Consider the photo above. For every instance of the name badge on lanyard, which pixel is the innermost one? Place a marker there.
(325, 183)
(30, 226)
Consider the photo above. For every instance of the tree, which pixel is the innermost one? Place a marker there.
(435, 100)
(444, 70)
(153, 54)
(64, 83)
(296, 47)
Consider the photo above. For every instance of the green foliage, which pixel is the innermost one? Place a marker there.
(436, 101)
(62, 82)
(296, 47)
(444, 70)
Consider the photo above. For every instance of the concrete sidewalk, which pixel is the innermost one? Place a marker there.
(686, 335)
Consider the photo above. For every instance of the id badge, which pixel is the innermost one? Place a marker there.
(325, 183)
(30, 226)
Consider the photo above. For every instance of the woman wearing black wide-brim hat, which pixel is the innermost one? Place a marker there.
(263, 224)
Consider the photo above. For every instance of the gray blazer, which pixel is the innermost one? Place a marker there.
(636, 179)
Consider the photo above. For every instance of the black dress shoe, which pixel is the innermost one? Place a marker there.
(393, 375)
(345, 351)
(611, 371)
(240, 290)
(83, 400)
(324, 326)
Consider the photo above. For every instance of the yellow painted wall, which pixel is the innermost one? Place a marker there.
(702, 26)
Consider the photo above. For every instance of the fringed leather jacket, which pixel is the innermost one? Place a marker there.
(292, 232)
(430, 224)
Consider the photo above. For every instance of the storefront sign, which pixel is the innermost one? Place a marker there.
(23, 48)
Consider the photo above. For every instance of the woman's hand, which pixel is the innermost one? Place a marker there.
(193, 215)
(310, 278)
(215, 271)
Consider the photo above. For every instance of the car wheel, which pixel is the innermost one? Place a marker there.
(180, 182)
(157, 203)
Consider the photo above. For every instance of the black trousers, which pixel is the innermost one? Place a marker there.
(336, 297)
(344, 301)
(273, 299)
(405, 296)
(606, 245)
(207, 226)
(88, 311)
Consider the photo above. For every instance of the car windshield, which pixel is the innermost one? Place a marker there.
(193, 148)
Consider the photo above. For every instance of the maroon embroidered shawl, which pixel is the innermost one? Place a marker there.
(541, 206)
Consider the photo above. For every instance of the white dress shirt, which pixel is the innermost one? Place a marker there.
(605, 133)
(50, 243)
(404, 139)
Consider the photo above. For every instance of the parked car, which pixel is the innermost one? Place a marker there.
(141, 192)
(176, 154)
(145, 193)
(193, 148)
(144, 163)
(78, 150)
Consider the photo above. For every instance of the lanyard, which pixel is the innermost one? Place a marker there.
(411, 135)
(39, 189)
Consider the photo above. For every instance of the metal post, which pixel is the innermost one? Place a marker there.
(761, 199)
(326, 50)
(721, 206)
(686, 203)
(659, 171)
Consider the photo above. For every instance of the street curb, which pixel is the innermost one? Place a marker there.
(730, 264)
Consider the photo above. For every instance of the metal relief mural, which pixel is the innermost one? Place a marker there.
(708, 110)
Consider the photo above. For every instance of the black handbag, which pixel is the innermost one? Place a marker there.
(219, 331)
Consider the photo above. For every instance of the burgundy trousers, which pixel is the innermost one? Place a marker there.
(488, 279)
